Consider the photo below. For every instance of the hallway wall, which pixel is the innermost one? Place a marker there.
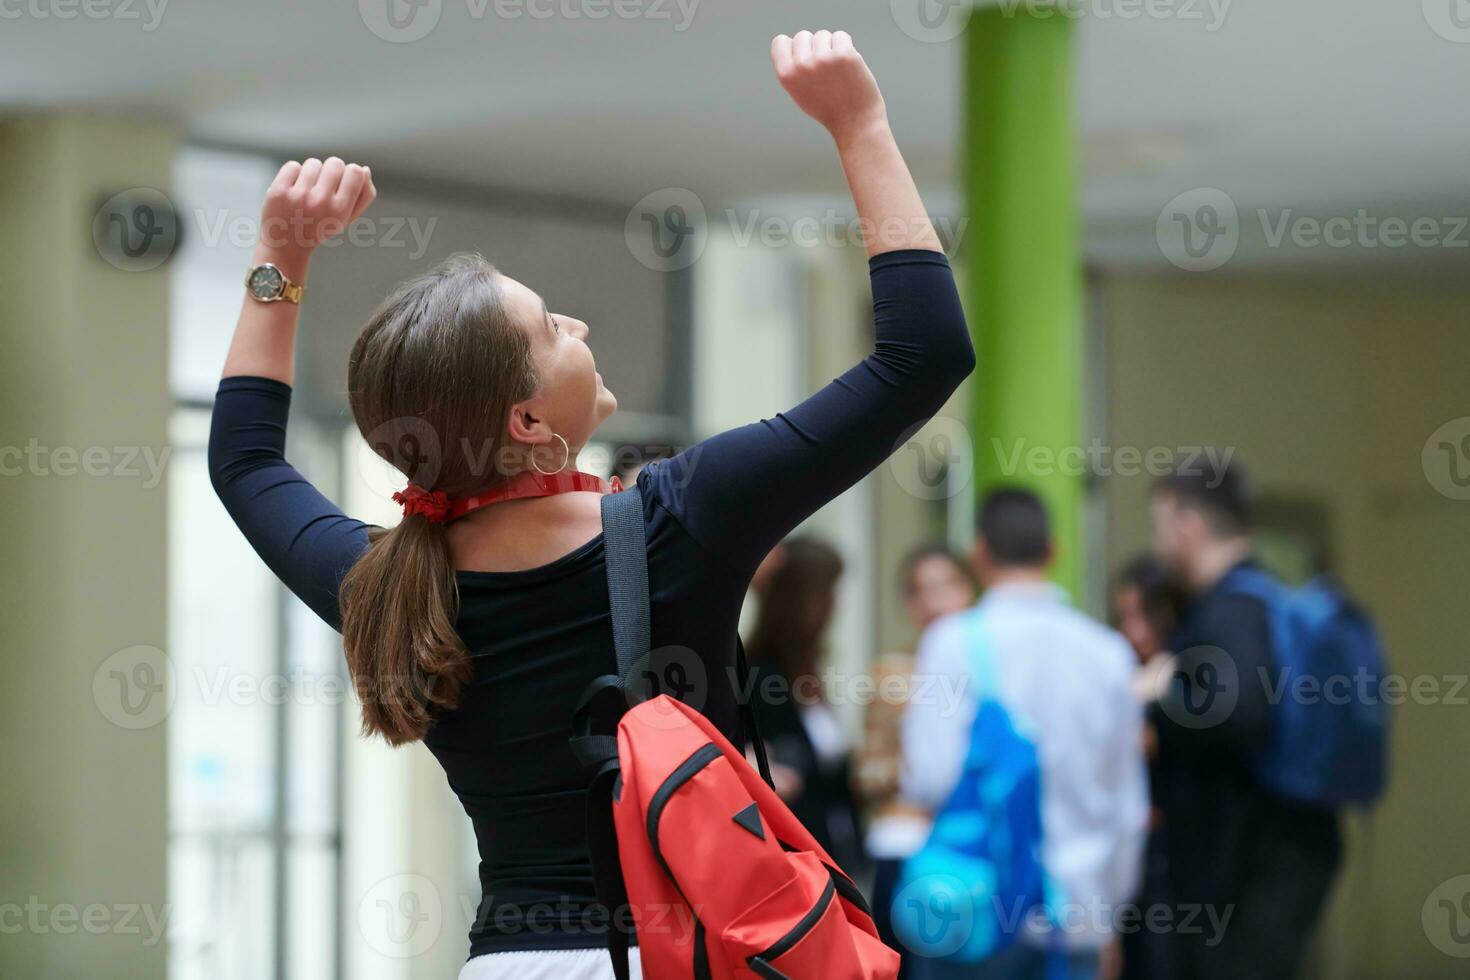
(1329, 387)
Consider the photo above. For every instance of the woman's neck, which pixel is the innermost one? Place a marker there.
(516, 535)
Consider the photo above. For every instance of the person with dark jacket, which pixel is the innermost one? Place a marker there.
(1248, 869)
(808, 748)
(1145, 603)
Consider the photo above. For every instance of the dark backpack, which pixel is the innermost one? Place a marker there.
(1329, 719)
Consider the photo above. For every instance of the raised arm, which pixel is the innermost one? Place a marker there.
(301, 535)
(740, 492)
(828, 80)
(307, 204)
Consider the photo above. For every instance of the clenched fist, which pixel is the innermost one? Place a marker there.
(312, 202)
(828, 80)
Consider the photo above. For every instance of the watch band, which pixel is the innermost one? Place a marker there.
(291, 291)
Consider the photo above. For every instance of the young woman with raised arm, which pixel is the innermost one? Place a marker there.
(475, 628)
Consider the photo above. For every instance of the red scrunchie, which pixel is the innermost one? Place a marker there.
(433, 504)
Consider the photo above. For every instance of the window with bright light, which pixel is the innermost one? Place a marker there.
(255, 738)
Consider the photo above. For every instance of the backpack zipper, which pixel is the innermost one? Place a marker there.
(702, 757)
(760, 963)
(845, 885)
(686, 771)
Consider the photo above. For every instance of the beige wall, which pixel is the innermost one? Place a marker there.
(1329, 387)
(83, 799)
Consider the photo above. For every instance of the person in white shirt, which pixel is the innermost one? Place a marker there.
(1065, 680)
(936, 582)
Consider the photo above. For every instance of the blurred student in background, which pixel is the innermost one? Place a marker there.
(806, 742)
(1231, 845)
(936, 582)
(1146, 603)
(1064, 681)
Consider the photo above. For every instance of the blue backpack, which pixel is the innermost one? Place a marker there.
(965, 894)
(1329, 718)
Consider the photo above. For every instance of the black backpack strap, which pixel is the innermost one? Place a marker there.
(627, 589)
(592, 743)
(626, 558)
(747, 713)
(627, 575)
(607, 867)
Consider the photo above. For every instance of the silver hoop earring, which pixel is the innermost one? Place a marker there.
(565, 459)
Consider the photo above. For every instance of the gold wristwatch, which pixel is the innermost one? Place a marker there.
(269, 284)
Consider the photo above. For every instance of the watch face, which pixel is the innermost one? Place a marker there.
(266, 282)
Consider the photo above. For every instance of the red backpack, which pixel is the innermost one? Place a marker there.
(722, 880)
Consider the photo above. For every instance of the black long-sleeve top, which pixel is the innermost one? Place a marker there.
(538, 637)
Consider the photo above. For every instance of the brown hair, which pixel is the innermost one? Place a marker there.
(431, 381)
(1159, 593)
(796, 606)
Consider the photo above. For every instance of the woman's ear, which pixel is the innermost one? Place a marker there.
(527, 426)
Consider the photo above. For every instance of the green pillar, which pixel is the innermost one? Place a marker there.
(1023, 280)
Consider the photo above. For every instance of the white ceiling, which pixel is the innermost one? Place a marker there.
(1322, 106)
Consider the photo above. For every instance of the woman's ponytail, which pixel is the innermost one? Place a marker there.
(399, 604)
(431, 380)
